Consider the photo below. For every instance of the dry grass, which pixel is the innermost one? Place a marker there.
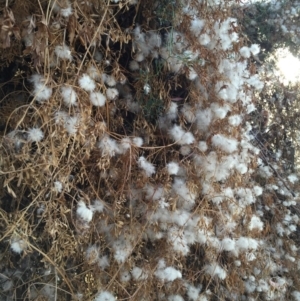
(54, 264)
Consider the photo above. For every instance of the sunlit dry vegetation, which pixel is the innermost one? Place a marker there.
(131, 165)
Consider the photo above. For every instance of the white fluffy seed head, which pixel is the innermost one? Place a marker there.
(109, 80)
(168, 274)
(139, 274)
(35, 135)
(228, 145)
(18, 245)
(63, 52)
(66, 12)
(180, 136)
(214, 269)
(87, 83)
(69, 96)
(94, 73)
(92, 254)
(173, 168)
(125, 276)
(71, 124)
(255, 49)
(245, 52)
(58, 187)
(134, 65)
(202, 146)
(146, 166)
(41, 92)
(105, 296)
(97, 99)
(228, 244)
(137, 141)
(84, 212)
(256, 223)
(112, 93)
(125, 144)
(97, 206)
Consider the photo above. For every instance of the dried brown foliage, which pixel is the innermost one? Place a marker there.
(36, 211)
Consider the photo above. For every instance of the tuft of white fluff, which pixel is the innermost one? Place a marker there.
(112, 93)
(139, 274)
(172, 111)
(220, 112)
(228, 145)
(263, 286)
(109, 146)
(125, 276)
(92, 254)
(125, 145)
(41, 92)
(255, 49)
(87, 83)
(154, 40)
(256, 223)
(97, 206)
(197, 26)
(204, 118)
(103, 262)
(235, 120)
(255, 82)
(146, 166)
(188, 113)
(83, 212)
(71, 124)
(105, 296)
(185, 150)
(94, 73)
(168, 274)
(154, 193)
(137, 141)
(250, 285)
(193, 292)
(245, 52)
(296, 295)
(173, 168)
(179, 187)
(97, 99)
(69, 96)
(257, 190)
(202, 146)
(134, 65)
(228, 244)
(109, 80)
(204, 39)
(63, 52)
(58, 187)
(35, 134)
(214, 269)
(192, 74)
(18, 245)
(175, 298)
(180, 136)
(292, 178)
(66, 12)
(177, 241)
(245, 243)
(250, 108)
(122, 249)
